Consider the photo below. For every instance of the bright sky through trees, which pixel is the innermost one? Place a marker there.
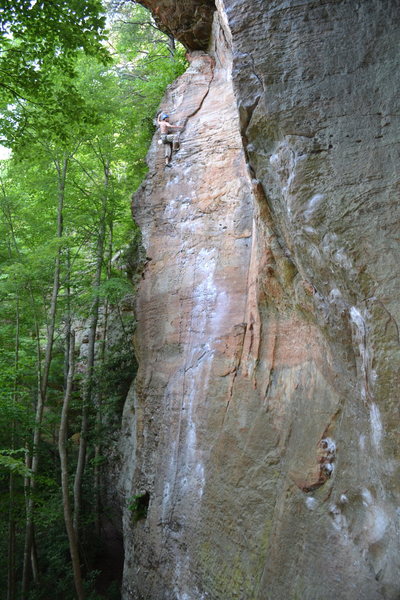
(4, 153)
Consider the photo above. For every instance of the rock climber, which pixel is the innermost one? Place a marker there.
(170, 141)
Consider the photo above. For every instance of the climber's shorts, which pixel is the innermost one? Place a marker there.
(167, 138)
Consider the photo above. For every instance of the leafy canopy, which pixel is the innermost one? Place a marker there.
(40, 41)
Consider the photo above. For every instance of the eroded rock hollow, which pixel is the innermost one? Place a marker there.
(261, 437)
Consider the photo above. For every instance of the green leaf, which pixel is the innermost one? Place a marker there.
(13, 465)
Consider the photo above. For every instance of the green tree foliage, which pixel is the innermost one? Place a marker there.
(40, 42)
(69, 110)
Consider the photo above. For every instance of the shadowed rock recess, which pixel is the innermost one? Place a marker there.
(263, 426)
(189, 21)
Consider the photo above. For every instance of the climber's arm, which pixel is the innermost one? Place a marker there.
(175, 126)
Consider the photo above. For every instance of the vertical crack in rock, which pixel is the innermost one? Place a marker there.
(201, 99)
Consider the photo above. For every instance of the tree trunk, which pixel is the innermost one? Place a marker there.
(11, 516)
(68, 316)
(62, 448)
(11, 543)
(97, 448)
(44, 378)
(34, 558)
(171, 46)
(28, 459)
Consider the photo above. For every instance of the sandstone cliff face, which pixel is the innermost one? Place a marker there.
(263, 427)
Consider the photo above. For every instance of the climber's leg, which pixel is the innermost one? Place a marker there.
(167, 152)
(176, 143)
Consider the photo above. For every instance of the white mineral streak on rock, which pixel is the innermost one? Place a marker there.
(377, 524)
(310, 230)
(284, 163)
(365, 353)
(274, 160)
(334, 295)
(182, 590)
(312, 205)
(208, 312)
(188, 475)
(328, 245)
(288, 188)
(342, 259)
(376, 426)
(193, 470)
(339, 521)
(311, 503)
(337, 302)
(376, 520)
(210, 303)
(165, 506)
(367, 497)
(315, 253)
(337, 255)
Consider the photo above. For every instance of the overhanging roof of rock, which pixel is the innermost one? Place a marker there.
(189, 21)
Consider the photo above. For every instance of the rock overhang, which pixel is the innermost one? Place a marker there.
(189, 21)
